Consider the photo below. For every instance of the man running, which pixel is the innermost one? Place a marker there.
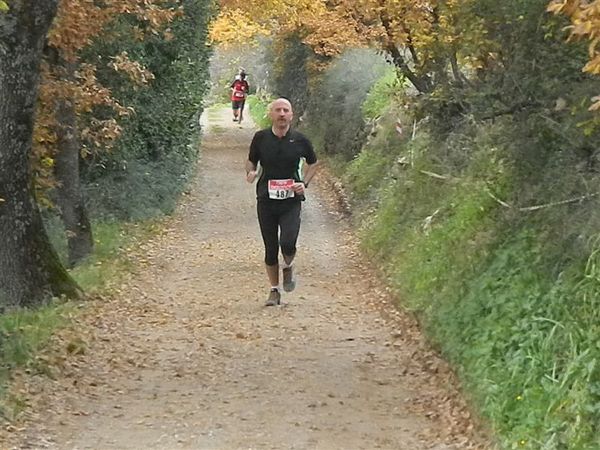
(239, 92)
(279, 191)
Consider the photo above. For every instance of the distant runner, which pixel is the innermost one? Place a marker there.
(279, 191)
(239, 92)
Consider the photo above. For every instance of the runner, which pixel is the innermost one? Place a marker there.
(279, 191)
(239, 92)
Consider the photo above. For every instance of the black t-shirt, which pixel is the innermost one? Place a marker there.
(279, 158)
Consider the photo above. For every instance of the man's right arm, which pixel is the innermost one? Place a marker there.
(253, 158)
(250, 171)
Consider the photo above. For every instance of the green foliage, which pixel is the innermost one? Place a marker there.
(381, 94)
(526, 345)
(23, 334)
(259, 110)
(150, 188)
(335, 121)
(507, 296)
(155, 156)
(290, 60)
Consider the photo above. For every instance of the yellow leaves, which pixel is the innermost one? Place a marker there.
(133, 69)
(596, 103)
(78, 22)
(331, 33)
(235, 27)
(585, 24)
(423, 27)
(47, 162)
(566, 7)
(326, 30)
(593, 66)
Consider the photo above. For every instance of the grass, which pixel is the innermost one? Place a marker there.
(511, 299)
(22, 335)
(110, 260)
(483, 282)
(526, 345)
(25, 333)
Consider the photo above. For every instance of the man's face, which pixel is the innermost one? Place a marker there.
(281, 113)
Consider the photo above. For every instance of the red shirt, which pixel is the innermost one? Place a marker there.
(240, 89)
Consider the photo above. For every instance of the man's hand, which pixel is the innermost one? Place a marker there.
(251, 176)
(298, 188)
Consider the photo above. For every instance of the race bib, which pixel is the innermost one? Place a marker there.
(281, 189)
(238, 94)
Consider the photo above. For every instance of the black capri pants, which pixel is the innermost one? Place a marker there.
(276, 215)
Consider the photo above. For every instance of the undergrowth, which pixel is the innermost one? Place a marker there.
(514, 311)
(465, 219)
(258, 107)
(25, 333)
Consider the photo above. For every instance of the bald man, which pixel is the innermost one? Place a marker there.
(279, 191)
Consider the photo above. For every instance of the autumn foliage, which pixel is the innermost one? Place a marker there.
(424, 39)
(65, 78)
(585, 24)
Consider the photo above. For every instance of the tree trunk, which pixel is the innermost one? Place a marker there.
(69, 195)
(30, 271)
(421, 83)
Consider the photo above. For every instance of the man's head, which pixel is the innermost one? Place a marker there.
(281, 114)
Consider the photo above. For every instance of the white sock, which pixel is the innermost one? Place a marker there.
(286, 265)
(275, 287)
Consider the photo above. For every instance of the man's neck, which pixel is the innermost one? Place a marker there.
(280, 132)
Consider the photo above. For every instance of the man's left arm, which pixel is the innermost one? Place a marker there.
(309, 173)
(310, 167)
(311, 162)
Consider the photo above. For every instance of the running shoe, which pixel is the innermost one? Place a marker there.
(289, 283)
(274, 298)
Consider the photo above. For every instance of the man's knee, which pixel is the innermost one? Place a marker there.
(271, 257)
(288, 249)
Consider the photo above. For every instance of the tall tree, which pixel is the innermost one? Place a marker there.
(69, 89)
(30, 270)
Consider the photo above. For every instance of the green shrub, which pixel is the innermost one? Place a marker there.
(335, 121)
(148, 168)
(381, 94)
(258, 107)
(526, 344)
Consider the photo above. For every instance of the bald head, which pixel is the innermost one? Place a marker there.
(280, 102)
(281, 114)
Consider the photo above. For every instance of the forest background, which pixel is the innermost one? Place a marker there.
(464, 131)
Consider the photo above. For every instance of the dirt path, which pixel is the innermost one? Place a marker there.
(186, 356)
